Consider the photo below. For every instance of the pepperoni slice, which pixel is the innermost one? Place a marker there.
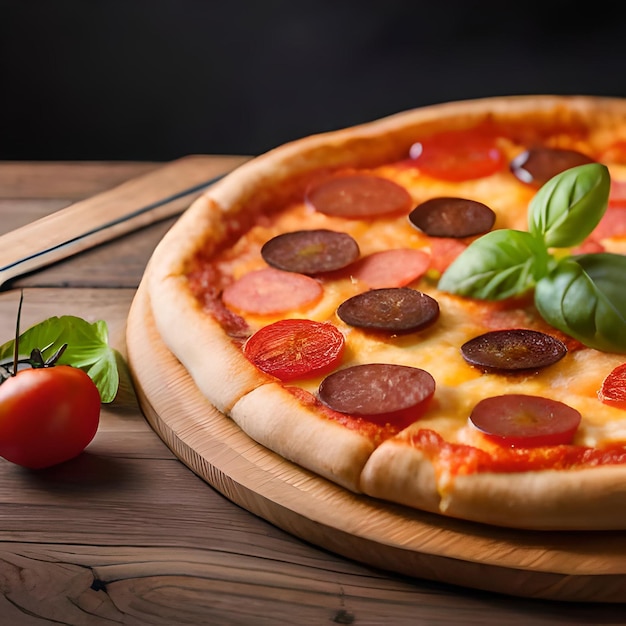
(617, 196)
(612, 224)
(589, 246)
(444, 250)
(452, 217)
(310, 251)
(359, 195)
(296, 348)
(391, 268)
(613, 390)
(458, 155)
(379, 392)
(395, 310)
(269, 291)
(513, 350)
(538, 165)
(522, 421)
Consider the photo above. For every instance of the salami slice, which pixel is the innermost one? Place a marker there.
(512, 350)
(390, 268)
(452, 217)
(310, 251)
(523, 421)
(358, 196)
(538, 165)
(379, 391)
(269, 291)
(395, 310)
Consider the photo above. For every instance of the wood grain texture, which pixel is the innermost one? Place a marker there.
(69, 181)
(133, 204)
(533, 564)
(126, 534)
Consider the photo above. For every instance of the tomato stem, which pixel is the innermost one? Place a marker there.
(36, 358)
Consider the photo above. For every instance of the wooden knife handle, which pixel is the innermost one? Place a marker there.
(139, 202)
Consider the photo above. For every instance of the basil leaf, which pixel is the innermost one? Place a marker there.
(584, 296)
(498, 265)
(567, 208)
(87, 349)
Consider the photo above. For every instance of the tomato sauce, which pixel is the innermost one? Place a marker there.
(205, 285)
(375, 432)
(461, 459)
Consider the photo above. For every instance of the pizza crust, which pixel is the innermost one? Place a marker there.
(211, 358)
(401, 474)
(276, 419)
(540, 500)
(585, 499)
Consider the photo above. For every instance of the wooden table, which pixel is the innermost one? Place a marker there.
(127, 534)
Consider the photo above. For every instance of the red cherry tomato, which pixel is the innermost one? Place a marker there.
(613, 390)
(47, 415)
(522, 421)
(296, 348)
(458, 155)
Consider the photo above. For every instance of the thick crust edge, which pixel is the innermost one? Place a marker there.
(276, 419)
(540, 500)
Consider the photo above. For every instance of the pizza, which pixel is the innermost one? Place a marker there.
(428, 309)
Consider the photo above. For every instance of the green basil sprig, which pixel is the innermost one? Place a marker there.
(569, 206)
(583, 295)
(498, 265)
(87, 349)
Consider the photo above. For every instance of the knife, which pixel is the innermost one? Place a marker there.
(162, 193)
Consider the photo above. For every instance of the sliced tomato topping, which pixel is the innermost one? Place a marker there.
(522, 421)
(269, 291)
(458, 155)
(613, 390)
(296, 348)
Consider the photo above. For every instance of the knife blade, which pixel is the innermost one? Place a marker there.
(160, 194)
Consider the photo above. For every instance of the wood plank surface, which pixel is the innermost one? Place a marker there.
(127, 534)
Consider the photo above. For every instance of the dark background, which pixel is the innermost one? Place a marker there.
(156, 80)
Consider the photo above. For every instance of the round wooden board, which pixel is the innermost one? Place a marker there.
(570, 566)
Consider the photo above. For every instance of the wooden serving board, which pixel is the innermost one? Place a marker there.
(569, 566)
